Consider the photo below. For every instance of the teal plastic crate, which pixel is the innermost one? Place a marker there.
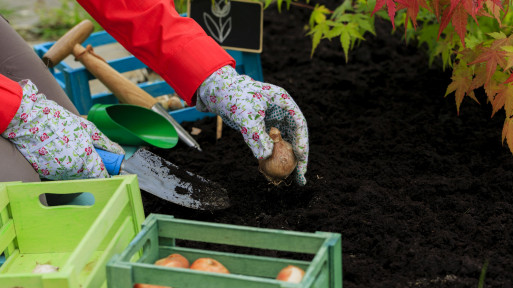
(75, 81)
(79, 239)
(158, 239)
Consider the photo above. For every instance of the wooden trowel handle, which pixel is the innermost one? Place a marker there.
(64, 46)
(125, 90)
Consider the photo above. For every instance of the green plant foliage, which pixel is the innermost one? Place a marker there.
(347, 23)
(472, 37)
(181, 6)
(5, 11)
(279, 3)
(483, 275)
(55, 22)
(352, 20)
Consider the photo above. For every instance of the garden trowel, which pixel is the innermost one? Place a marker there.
(166, 180)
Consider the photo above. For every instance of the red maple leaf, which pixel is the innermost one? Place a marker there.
(495, 7)
(508, 107)
(492, 56)
(479, 76)
(436, 8)
(507, 133)
(497, 96)
(458, 17)
(457, 14)
(412, 10)
(391, 9)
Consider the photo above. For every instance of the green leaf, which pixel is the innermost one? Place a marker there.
(497, 35)
(446, 58)
(352, 28)
(365, 22)
(335, 31)
(318, 31)
(507, 48)
(316, 39)
(343, 18)
(318, 15)
(471, 41)
(345, 40)
(340, 10)
(333, 23)
(278, 3)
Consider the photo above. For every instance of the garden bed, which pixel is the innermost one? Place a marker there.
(422, 197)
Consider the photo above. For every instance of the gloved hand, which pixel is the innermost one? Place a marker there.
(57, 143)
(253, 107)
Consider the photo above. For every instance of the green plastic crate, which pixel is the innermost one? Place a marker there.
(158, 238)
(79, 239)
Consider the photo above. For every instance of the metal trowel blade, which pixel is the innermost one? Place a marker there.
(166, 180)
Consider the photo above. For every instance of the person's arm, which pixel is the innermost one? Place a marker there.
(180, 51)
(10, 99)
(57, 143)
(175, 47)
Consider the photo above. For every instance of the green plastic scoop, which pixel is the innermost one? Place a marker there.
(133, 125)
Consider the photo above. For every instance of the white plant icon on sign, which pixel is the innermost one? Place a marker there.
(219, 29)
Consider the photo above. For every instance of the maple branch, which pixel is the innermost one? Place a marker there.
(302, 5)
(310, 7)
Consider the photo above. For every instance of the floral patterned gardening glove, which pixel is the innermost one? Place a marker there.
(57, 143)
(253, 107)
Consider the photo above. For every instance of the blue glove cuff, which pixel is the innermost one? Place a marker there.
(111, 160)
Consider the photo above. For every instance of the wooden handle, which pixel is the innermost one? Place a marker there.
(125, 90)
(64, 46)
(219, 130)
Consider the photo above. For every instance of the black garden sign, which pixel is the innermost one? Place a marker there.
(234, 24)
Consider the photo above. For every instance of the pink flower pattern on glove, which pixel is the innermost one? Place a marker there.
(44, 137)
(253, 107)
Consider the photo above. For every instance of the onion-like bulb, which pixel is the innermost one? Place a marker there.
(45, 268)
(291, 273)
(281, 163)
(174, 103)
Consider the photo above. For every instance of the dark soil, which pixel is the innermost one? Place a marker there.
(421, 196)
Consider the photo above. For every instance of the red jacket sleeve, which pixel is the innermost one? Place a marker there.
(10, 99)
(175, 47)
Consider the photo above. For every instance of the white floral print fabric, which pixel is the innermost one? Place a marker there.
(58, 144)
(253, 107)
